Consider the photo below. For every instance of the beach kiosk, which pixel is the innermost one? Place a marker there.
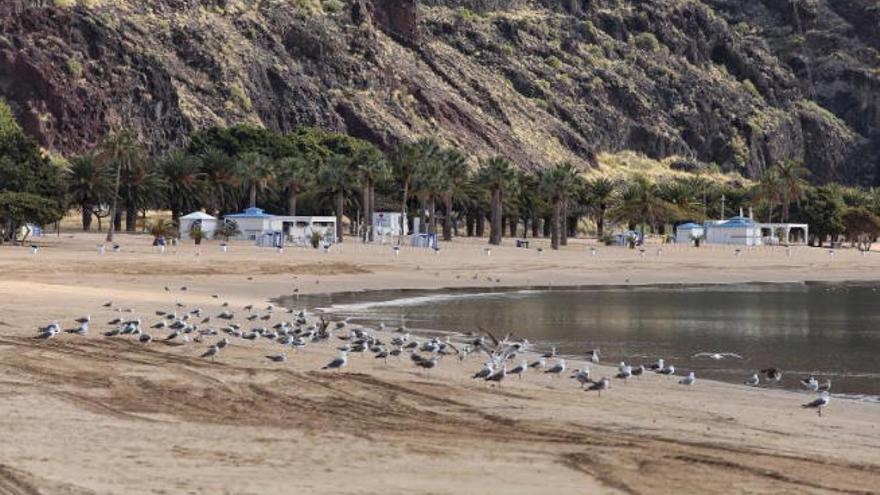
(252, 222)
(687, 232)
(207, 223)
(738, 231)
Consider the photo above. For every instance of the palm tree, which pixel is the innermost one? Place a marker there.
(640, 203)
(454, 169)
(558, 184)
(142, 188)
(257, 173)
(495, 175)
(296, 173)
(371, 168)
(404, 160)
(530, 200)
(792, 184)
(182, 175)
(600, 192)
(221, 180)
(87, 186)
(684, 196)
(336, 177)
(769, 189)
(121, 150)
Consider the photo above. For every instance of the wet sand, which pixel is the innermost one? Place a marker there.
(107, 415)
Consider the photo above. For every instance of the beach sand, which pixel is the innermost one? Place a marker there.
(93, 414)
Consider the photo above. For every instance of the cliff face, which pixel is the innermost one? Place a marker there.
(739, 83)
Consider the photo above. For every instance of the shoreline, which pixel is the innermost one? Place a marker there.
(143, 419)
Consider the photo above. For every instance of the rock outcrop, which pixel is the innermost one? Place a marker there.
(737, 83)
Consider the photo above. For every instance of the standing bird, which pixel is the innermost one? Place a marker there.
(498, 376)
(659, 365)
(810, 384)
(753, 381)
(688, 380)
(337, 363)
(582, 376)
(557, 369)
(818, 404)
(599, 386)
(211, 352)
(145, 338)
(520, 369)
(278, 358)
(485, 371)
(594, 355)
(222, 343)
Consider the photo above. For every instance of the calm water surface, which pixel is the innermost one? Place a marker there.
(827, 330)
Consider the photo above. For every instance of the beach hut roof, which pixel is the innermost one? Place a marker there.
(250, 213)
(197, 215)
(690, 225)
(736, 222)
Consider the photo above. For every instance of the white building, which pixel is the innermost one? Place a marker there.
(687, 232)
(744, 231)
(386, 225)
(252, 223)
(207, 223)
(257, 225)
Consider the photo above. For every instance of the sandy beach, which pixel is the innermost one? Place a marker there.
(83, 415)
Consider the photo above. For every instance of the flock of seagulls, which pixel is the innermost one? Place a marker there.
(293, 331)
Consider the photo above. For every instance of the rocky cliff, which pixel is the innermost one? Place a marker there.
(738, 83)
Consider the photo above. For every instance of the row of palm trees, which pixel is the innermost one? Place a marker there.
(118, 179)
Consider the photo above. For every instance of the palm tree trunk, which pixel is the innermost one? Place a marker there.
(87, 218)
(253, 196)
(495, 217)
(371, 213)
(115, 205)
(555, 227)
(130, 219)
(600, 222)
(447, 218)
(175, 214)
(470, 222)
(481, 224)
(536, 226)
(340, 204)
(563, 228)
(291, 201)
(432, 212)
(117, 220)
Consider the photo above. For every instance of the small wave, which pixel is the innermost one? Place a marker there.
(873, 399)
(410, 301)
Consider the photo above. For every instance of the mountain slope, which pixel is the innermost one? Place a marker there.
(739, 83)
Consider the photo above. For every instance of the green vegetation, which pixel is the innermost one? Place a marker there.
(647, 41)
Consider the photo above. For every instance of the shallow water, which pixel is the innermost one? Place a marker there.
(826, 330)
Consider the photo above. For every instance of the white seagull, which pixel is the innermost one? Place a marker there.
(688, 380)
(819, 403)
(753, 381)
(337, 363)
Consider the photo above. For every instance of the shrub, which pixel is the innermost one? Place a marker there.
(647, 41)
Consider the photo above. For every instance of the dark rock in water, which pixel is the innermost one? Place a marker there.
(737, 83)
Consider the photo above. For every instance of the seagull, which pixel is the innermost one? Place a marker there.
(84, 319)
(222, 343)
(669, 370)
(278, 358)
(557, 368)
(819, 403)
(211, 352)
(638, 370)
(485, 372)
(717, 355)
(659, 365)
(145, 338)
(337, 363)
(772, 374)
(688, 380)
(539, 364)
(753, 381)
(624, 372)
(498, 376)
(599, 386)
(551, 354)
(593, 355)
(520, 369)
(582, 376)
(83, 329)
(810, 384)
(107, 304)
(173, 335)
(47, 334)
